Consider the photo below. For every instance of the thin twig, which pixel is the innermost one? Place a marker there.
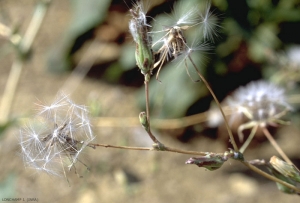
(249, 139)
(166, 149)
(121, 147)
(146, 82)
(255, 169)
(270, 177)
(169, 149)
(218, 104)
(276, 146)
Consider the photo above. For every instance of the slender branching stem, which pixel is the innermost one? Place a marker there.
(121, 147)
(270, 177)
(146, 82)
(179, 151)
(276, 146)
(218, 104)
(249, 139)
(167, 149)
(255, 169)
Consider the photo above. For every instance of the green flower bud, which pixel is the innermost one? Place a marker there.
(143, 120)
(139, 30)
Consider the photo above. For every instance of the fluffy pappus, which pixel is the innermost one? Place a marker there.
(173, 38)
(56, 136)
(260, 101)
(138, 24)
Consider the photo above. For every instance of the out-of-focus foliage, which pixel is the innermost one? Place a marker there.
(6, 125)
(86, 15)
(251, 31)
(7, 186)
(253, 40)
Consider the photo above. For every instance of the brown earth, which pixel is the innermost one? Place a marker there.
(118, 175)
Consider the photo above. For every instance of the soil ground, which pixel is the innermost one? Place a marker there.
(118, 175)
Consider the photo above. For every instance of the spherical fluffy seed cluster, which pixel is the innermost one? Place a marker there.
(259, 101)
(171, 42)
(56, 136)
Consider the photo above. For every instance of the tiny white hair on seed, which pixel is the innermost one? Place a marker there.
(54, 138)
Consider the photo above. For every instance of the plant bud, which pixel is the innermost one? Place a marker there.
(143, 120)
(139, 31)
(210, 162)
(286, 169)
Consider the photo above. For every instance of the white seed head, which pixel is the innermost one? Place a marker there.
(209, 25)
(56, 136)
(185, 14)
(173, 40)
(259, 101)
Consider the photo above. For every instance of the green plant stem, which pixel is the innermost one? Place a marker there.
(16, 69)
(218, 104)
(179, 151)
(270, 177)
(146, 82)
(276, 146)
(166, 149)
(120, 147)
(255, 169)
(249, 139)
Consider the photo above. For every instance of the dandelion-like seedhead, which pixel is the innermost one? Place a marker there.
(56, 136)
(259, 101)
(172, 41)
